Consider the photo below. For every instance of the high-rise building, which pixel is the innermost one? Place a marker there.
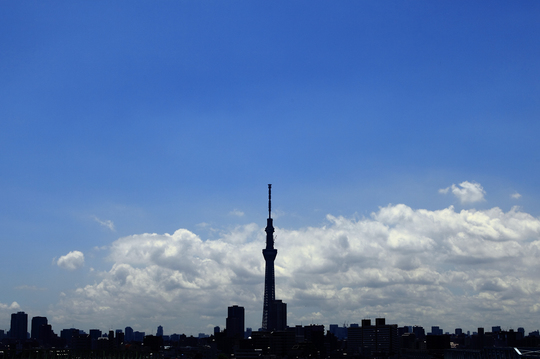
(419, 332)
(128, 338)
(235, 322)
(37, 322)
(19, 326)
(138, 336)
(380, 339)
(278, 319)
(274, 313)
(94, 334)
(159, 332)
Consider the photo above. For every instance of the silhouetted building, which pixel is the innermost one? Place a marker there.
(441, 341)
(128, 337)
(37, 323)
(339, 332)
(235, 322)
(138, 336)
(19, 326)
(313, 334)
(153, 342)
(159, 332)
(119, 339)
(379, 340)
(408, 341)
(68, 335)
(278, 319)
(94, 334)
(47, 336)
(101, 343)
(403, 330)
(277, 343)
(419, 332)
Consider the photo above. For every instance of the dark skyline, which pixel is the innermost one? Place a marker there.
(235, 327)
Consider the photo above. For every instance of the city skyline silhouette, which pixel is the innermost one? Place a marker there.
(274, 312)
(275, 337)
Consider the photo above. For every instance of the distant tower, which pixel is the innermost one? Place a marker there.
(269, 254)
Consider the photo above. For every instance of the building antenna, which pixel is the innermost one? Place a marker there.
(269, 201)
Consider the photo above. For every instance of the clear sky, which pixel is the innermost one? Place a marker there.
(137, 140)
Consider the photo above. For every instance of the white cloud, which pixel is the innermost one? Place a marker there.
(237, 213)
(10, 307)
(466, 192)
(515, 195)
(105, 223)
(444, 190)
(413, 266)
(71, 261)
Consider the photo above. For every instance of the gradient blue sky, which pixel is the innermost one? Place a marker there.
(125, 118)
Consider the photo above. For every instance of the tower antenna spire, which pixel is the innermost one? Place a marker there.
(269, 201)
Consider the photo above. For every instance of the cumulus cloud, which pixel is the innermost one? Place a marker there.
(9, 307)
(71, 261)
(466, 192)
(515, 195)
(412, 266)
(105, 223)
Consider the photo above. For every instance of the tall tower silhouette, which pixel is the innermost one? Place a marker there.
(269, 254)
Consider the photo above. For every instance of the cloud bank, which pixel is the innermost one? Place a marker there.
(413, 266)
(71, 261)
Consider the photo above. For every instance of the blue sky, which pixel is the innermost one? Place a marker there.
(134, 118)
